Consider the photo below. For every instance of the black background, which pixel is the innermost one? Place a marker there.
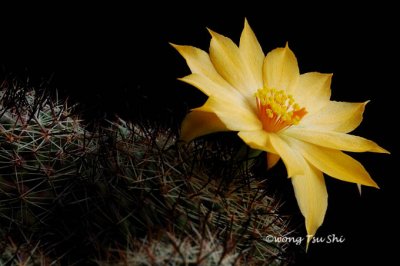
(117, 60)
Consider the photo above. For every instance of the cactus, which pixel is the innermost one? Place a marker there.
(26, 254)
(42, 148)
(198, 187)
(126, 193)
(168, 250)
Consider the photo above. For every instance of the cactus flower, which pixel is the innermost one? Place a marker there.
(276, 109)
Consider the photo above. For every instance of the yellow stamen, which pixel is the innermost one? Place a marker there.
(277, 110)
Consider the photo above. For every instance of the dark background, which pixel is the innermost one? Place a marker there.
(117, 60)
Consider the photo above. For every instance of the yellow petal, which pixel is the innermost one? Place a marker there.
(335, 163)
(259, 140)
(214, 89)
(236, 117)
(293, 160)
(313, 91)
(200, 64)
(252, 54)
(227, 60)
(280, 70)
(312, 197)
(334, 140)
(336, 116)
(272, 159)
(198, 60)
(197, 124)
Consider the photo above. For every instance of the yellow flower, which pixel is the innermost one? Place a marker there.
(276, 109)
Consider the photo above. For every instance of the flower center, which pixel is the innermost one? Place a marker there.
(277, 110)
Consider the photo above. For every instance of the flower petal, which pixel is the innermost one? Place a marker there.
(280, 70)
(252, 54)
(335, 163)
(293, 160)
(334, 140)
(235, 116)
(198, 60)
(272, 159)
(198, 123)
(259, 140)
(312, 197)
(227, 60)
(200, 64)
(214, 89)
(313, 91)
(336, 116)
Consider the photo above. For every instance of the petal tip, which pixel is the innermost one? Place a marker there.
(246, 25)
(180, 48)
(272, 160)
(182, 79)
(287, 48)
(382, 150)
(176, 46)
(212, 33)
(309, 238)
(372, 183)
